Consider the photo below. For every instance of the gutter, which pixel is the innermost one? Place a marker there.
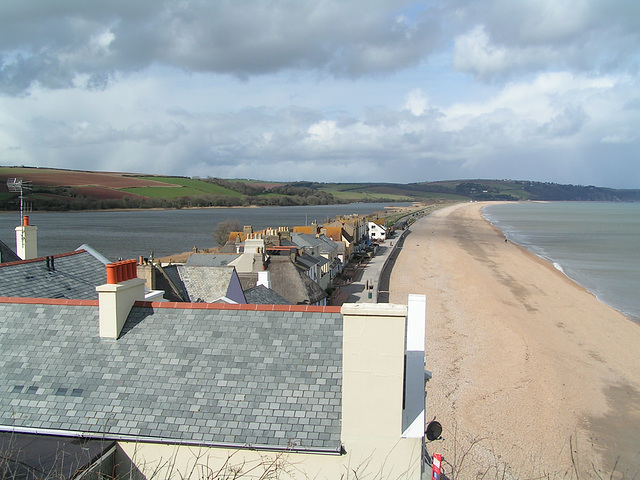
(171, 441)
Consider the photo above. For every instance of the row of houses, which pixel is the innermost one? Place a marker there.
(320, 251)
(101, 375)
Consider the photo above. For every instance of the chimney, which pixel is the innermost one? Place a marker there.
(27, 240)
(146, 271)
(117, 296)
(254, 246)
(264, 278)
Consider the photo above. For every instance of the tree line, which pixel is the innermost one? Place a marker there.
(66, 199)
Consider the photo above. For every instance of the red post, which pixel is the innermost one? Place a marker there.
(436, 469)
(25, 221)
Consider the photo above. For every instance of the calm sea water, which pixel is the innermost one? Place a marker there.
(128, 234)
(595, 244)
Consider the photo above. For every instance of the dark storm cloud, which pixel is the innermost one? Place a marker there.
(53, 42)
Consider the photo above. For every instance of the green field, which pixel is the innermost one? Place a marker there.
(364, 193)
(188, 188)
(365, 196)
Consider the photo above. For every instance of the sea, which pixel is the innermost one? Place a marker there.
(129, 234)
(596, 244)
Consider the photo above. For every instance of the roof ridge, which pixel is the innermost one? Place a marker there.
(42, 259)
(238, 306)
(177, 305)
(49, 301)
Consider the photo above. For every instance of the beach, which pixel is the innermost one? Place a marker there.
(533, 377)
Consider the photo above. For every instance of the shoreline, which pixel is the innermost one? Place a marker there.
(631, 317)
(532, 373)
(547, 262)
(211, 207)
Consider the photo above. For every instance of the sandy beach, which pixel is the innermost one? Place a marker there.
(533, 377)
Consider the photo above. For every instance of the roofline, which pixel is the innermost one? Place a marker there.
(42, 259)
(169, 441)
(49, 301)
(245, 307)
(177, 305)
(89, 249)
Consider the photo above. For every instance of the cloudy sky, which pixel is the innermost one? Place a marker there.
(326, 90)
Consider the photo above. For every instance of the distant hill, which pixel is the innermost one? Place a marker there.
(56, 189)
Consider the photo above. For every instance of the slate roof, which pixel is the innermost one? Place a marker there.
(7, 254)
(210, 260)
(70, 275)
(288, 281)
(172, 292)
(324, 243)
(205, 284)
(200, 283)
(261, 295)
(266, 376)
(174, 283)
(328, 245)
(306, 261)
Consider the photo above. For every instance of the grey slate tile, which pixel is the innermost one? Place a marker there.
(75, 276)
(145, 381)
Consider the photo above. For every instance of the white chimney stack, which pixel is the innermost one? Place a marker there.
(26, 240)
(264, 278)
(117, 296)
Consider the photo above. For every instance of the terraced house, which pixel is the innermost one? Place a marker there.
(185, 390)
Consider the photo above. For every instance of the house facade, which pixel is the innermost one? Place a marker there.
(377, 232)
(325, 250)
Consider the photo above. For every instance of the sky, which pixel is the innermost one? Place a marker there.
(325, 90)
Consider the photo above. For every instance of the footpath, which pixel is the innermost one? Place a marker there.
(371, 281)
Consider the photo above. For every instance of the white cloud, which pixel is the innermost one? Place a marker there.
(322, 131)
(474, 52)
(416, 102)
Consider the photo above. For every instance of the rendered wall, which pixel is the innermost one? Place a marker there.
(373, 366)
(153, 461)
(116, 301)
(27, 242)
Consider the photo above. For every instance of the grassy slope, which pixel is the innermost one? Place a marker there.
(187, 187)
(363, 196)
(388, 192)
(506, 187)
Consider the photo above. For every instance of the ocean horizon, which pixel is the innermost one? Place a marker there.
(595, 244)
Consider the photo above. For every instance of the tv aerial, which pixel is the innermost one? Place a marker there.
(18, 185)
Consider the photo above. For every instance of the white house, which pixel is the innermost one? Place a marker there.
(377, 233)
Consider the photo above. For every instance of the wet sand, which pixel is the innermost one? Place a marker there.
(533, 377)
